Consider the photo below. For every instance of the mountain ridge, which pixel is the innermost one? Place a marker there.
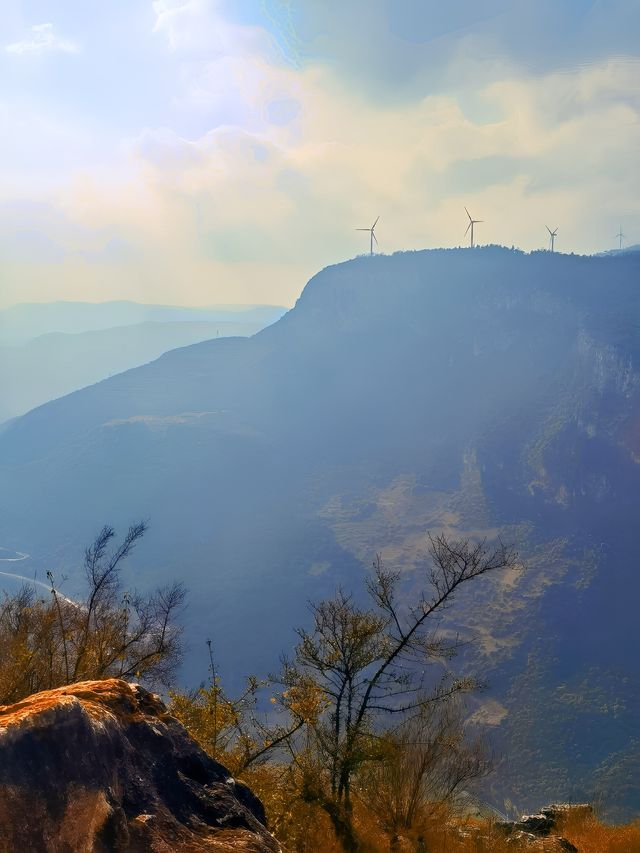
(480, 392)
(56, 363)
(26, 320)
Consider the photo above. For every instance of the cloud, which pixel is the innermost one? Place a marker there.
(42, 39)
(394, 50)
(201, 29)
(287, 159)
(249, 215)
(231, 73)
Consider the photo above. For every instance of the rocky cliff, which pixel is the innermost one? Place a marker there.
(478, 393)
(101, 766)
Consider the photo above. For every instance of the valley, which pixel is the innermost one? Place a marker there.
(481, 392)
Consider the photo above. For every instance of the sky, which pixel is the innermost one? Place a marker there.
(202, 152)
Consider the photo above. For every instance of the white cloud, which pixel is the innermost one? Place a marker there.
(240, 214)
(224, 66)
(200, 28)
(283, 164)
(42, 39)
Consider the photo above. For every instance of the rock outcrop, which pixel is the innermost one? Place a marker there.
(535, 831)
(101, 766)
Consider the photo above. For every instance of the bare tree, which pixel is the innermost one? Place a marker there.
(427, 762)
(108, 632)
(231, 728)
(378, 666)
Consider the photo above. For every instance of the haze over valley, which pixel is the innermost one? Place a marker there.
(319, 426)
(449, 390)
(50, 349)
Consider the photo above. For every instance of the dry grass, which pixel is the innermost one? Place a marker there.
(305, 828)
(591, 836)
(310, 832)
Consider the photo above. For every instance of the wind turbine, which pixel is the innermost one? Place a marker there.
(472, 222)
(552, 237)
(371, 231)
(620, 237)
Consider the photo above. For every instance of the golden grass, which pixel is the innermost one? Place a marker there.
(305, 828)
(310, 832)
(591, 836)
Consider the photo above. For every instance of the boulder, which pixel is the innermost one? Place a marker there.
(536, 824)
(101, 766)
(563, 811)
(534, 832)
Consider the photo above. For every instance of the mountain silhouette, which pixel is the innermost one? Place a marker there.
(25, 321)
(58, 363)
(482, 392)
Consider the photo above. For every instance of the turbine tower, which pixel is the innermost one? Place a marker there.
(371, 231)
(620, 237)
(472, 222)
(552, 238)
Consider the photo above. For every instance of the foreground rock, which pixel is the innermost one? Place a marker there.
(101, 766)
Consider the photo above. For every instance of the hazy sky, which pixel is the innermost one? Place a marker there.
(207, 151)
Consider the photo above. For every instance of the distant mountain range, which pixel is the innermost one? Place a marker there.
(28, 320)
(47, 350)
(482, 392)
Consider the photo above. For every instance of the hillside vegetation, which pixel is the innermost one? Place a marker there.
(478, 394)
(367, 746)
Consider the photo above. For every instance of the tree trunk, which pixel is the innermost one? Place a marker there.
(343, 827)
(340, 817)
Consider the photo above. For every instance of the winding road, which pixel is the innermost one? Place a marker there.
(18, 557)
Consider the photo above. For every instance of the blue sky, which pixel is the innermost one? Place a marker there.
(203, 151)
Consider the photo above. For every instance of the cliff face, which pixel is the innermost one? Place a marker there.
(479, 393)
(101, 766)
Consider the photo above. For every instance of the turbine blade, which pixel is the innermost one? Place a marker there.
(468, 226)
(375, 238)
(548, 229)
(375, 223)
(469, 215)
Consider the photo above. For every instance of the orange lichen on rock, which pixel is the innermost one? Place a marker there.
(102, 766)
(125, 701)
